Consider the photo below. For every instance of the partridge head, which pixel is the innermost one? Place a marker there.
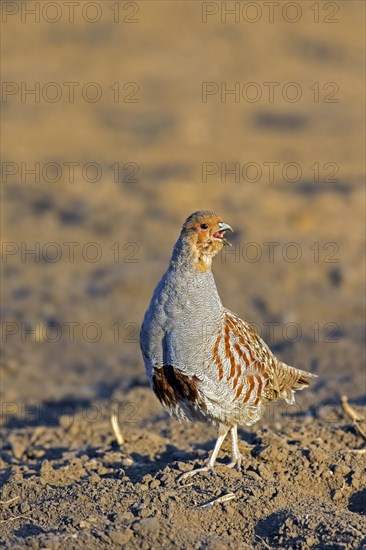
(204, 232)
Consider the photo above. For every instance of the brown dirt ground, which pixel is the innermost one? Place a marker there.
(65, 483)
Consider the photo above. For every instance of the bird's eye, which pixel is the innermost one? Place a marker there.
(204, 226)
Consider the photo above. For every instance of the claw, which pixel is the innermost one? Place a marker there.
(236, 463)
(190, 473)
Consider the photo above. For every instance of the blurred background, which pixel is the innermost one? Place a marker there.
(122, 118)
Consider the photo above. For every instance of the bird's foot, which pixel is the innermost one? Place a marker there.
(236, 463)
(191, 473)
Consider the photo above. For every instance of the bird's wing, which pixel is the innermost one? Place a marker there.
(244, 361)
(251, 367)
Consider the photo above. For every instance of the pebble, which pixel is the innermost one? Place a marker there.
(154, 483)
(18, 446)
(16, 474)
(146, 526)
(253, 474)
(342, 469)
(24, 507)
(85, 523)
(65, 421)
(46, 468)
(35, 453)
(139, 506)
(94, 478)
(147, 478)
(264, 473)
(355, 481)
(182, 466)
(144, 513)
(120, 537)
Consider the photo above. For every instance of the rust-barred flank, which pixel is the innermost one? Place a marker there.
(227, 342)
(230, 322)
(216, 345)
(232, 366)
(238, 347)
(250, 381)
(219, 367)
(239, 390)
(172, 386)
(216, 357)
(241, 354)
(260, 385)
(252, 358)
(259, 390)
(239, 370)
(238, 375)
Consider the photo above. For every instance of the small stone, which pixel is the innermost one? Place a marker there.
(88, 522)
(147, 478)
(120, 537)
(83, 524)
(18, 446)
(154, 483)
(342, 469)
(124, 516)
(36, 453)
(263, 472)
(94, 478)
(16, 474)
(92, 464)
(355, 481)
(146, 526)
(182, 466)
(46, 469)
(139, 506)
(253, 474)
(24, 507)
(65, 421)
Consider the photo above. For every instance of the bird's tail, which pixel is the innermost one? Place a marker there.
(290, 379)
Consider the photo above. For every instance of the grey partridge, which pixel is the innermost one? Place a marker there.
(203, 362)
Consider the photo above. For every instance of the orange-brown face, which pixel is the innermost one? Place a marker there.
(205, 232)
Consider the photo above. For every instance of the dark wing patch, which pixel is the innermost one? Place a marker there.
(172, 386)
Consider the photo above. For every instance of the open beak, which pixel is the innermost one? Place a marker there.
(220, 233)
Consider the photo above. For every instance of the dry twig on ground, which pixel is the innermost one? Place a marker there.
(4, 502)
(116, 429)
(353, 415)
(223, 498)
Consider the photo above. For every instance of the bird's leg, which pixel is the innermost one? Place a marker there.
(223, 430)
(236, 456)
